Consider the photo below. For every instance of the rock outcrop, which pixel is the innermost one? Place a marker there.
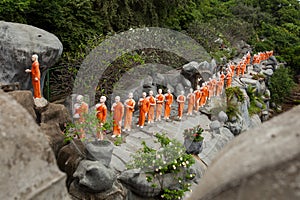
(28, 166)
(263, 163)
(17, 44)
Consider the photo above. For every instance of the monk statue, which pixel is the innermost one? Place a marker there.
(160, 98)
(152, 106)
(180, 100)
(168, 104)
(129, 109)
(35, 76)
(118, 112)
(144, 105)
(101, 112)
(80, 110)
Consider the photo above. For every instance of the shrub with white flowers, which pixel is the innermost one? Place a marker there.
(170, 158)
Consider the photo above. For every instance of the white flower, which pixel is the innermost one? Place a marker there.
(156, 169)
(191, 175)
(175, 161)
(174, 167)
(165, 162)
(160, 173)
(159, 167)
(183, 163)
(180, 158)
(191, 190)
(187, 162)
(179, 181)
(153, 161)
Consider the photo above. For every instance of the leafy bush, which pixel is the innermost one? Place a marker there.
(169, 158)
(281, 84)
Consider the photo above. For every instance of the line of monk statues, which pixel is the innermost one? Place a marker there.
(151, 107)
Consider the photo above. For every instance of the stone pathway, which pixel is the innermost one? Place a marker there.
(174, 129)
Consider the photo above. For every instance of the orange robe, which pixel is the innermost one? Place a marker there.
(152, 103)
(238, 69)
(191, 103)
(198, 95)
(118, 111)
(159, 104)
(35, 73)
(102, 113)
(129, 109)
(229, 79)
(219, 87)
(168, 103)
(232, 67)
(144, 108)
(243, 68)
(181, 99)
(204, 96)
(81, 111)
(101, 116)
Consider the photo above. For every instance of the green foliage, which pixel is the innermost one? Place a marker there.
(232, 109)
(258, 76)
(232, 92)
(253, 96)
(169, 158)
(281, 84)
(118, 141)
(194, 134)
(89, 126)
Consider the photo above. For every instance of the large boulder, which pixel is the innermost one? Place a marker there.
(263, 163)
(20, 41)
(55, 113)
(28, 166)
(25, 99)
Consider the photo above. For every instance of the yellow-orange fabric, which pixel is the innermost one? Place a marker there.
(117, 117)
(35, 73)
(168, 103)
(128, 113)
(144, 108)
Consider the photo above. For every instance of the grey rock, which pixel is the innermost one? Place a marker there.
(93, 176)
(215, 125)
(255, 121)
(257, 67)
(222, 117)
(28, 165)
(178, 89)
(265, 115)
(186, 83)
(99, 151)
(268, 72)
(263, 87)
(55, 113)
(190, 68)
(148, 81)
(258, 104)
(116, 192)
(272, 61)
(21, 41)
(264, 67)
(253, 83)
(234, 127)
(25, 99)
(268, 164)
(159, 79)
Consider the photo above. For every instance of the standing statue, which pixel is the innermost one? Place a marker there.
(168, 103)
(152, 103)
(204, 96)
(35, 76)
(144, 109)
(180, 99)
(101, 113)
(198, 95)
(228, 78)
(80, 110)
(129, 109)
(160, 98)
(118, 112)
(191, 101)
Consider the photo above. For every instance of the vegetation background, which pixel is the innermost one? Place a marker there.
(83, 24)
